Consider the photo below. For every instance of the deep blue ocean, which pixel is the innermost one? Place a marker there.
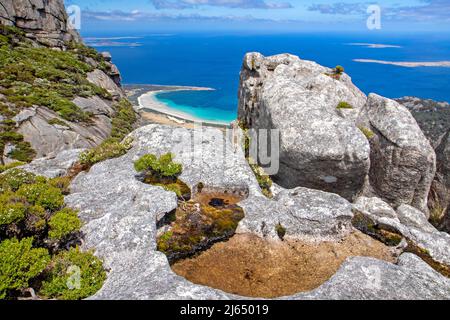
(211, 60)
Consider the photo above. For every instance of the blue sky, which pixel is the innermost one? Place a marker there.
(261, 15)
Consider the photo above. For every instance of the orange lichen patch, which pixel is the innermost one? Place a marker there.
(254, 267)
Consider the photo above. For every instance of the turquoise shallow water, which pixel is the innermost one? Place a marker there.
(199, 106)
(214, 61)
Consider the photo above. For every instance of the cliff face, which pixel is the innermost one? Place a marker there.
(333, 137)
(43, 20)
(55, 93)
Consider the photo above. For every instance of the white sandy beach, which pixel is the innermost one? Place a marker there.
(150, 102)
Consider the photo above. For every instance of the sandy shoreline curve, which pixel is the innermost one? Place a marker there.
(442, 64)
(149, 102)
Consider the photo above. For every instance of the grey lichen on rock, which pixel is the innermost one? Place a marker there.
(403, 163)
(120, 215)
(320, 148)
(46, 21)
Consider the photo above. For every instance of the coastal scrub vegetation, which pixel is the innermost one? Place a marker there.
(38, 239)
(45, 77)
(163, 172)
(33, 75)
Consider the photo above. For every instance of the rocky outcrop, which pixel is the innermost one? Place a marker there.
(56, 166)
(320, 146)
(403, 163)
(101, 79)
(408, 222)
(434, 120)
(49, 134)
(45, 21)
(120, 215)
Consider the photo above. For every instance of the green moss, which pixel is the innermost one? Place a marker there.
(163, 242)
(281, 231)
(73, 275)
(264, 180)
(109, 149)
(63, 223)
(344, 105)
(19, 263)
(367, 132)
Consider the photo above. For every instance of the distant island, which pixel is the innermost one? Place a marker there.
(444, 64)
(374, 45)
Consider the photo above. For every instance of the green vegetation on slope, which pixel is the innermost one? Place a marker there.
(36, 230)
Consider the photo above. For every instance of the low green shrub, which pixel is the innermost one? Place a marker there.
(162, 167)
(344, 105)
(42, 194)
(124, 119)
(281, 231)
(73, 275)
(63, 223)
(11, 165)
(19, 263)
(339, 70)
(109, 149)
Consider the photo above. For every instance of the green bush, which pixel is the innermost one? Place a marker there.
(164, 167)
(339, 70)
(43, 76)
(9, 166)
(344, 105)
(124, 119)
(109, 149)
(61, 280)
(11, 210)
(19, 263)
(15, 178)
(63, 223)
(42, 194)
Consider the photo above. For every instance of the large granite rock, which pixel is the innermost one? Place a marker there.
(120, 215)
(434, 120)
(408, 222)
(320, 146)
(53, 167)
(403, 163)
(48, 139)
(44, 20)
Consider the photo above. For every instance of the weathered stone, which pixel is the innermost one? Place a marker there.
(48, 140)
(52, 167)
(319, 148)
(104, 81)
(403, 163)
(120, 216)
(46, 21)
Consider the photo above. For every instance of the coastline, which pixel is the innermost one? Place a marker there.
(151, 109)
